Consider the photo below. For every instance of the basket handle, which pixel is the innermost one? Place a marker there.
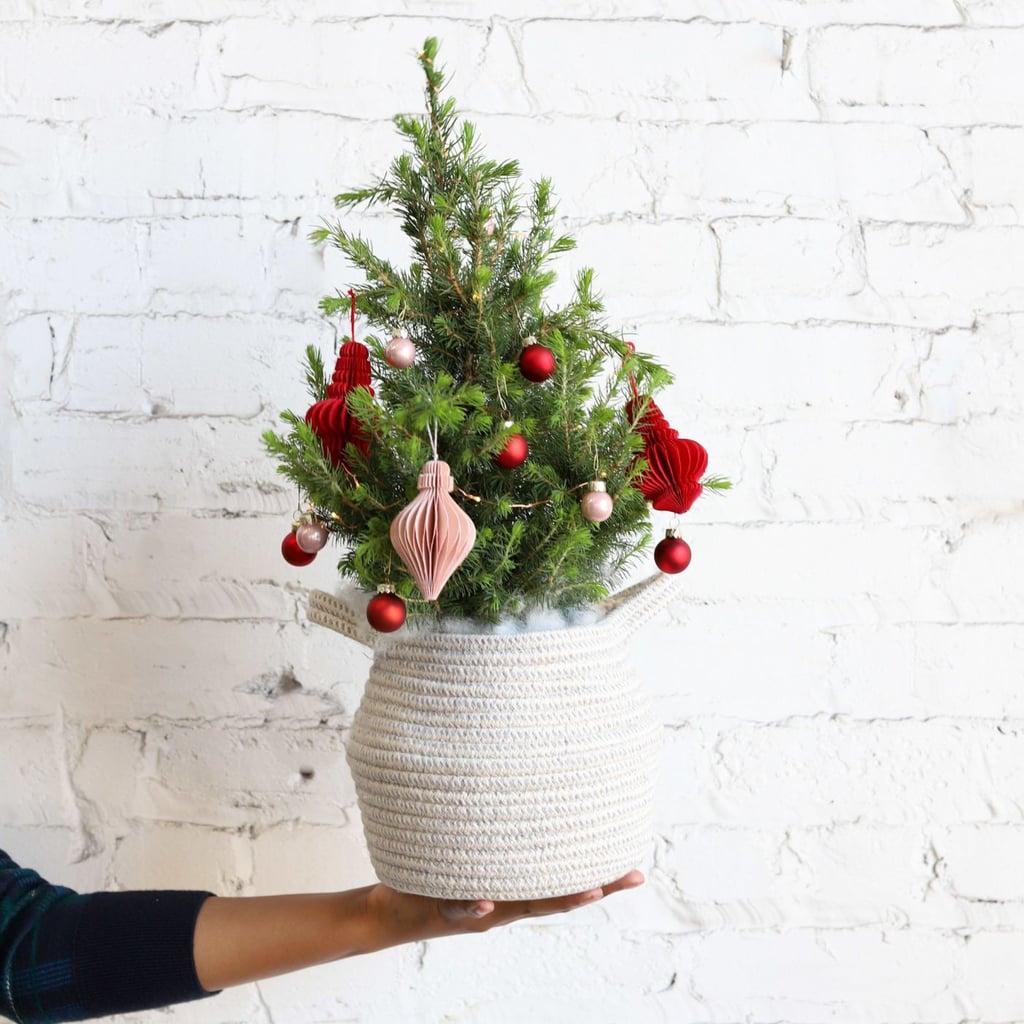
(631, 608)
(330, 611)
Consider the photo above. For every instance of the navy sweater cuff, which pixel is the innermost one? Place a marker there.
(134, 950)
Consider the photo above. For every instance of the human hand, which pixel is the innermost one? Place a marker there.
(246, 938)
(396, 917)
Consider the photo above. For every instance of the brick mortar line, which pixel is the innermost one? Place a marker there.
(702, 219)
(805, 324)
(164, 24)
(256, 110)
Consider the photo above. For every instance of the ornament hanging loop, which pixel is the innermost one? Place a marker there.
(501, 390)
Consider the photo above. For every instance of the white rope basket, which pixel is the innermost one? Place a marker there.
(504, 767)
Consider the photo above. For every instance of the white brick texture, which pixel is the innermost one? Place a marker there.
(812, 211)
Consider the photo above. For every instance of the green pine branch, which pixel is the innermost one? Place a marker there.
(482, 247)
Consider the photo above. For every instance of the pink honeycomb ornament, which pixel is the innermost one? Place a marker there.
(432, 534)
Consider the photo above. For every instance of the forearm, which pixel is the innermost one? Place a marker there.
(242, 939)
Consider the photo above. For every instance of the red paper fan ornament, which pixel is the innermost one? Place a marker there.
(652, 419)
(330, 419)
(432, 534)
(675, 465)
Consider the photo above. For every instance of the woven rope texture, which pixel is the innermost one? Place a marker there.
(504, 766)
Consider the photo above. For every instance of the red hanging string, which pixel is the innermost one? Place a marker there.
(352, 296)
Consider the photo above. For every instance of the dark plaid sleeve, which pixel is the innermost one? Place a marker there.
(64, 956)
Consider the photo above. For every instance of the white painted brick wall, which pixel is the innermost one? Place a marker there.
(830, 256)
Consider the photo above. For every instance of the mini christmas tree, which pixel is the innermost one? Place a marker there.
(539, 419)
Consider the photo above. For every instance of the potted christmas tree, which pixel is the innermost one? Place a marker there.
(483, 455)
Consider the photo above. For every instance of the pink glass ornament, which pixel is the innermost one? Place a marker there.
(432, 534)
(597, 503)
(312, 537)
(400, 352)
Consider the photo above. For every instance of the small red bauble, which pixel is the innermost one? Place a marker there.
(597, 504)
(514, 453)
(386, 612)
(293, 554)
(536, 362)
(312, 537)
(672, 554)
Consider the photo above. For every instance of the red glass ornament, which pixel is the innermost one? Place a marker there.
(514, 453)
(386, 612)
(672, 554)
(536, 362)
(293, 554)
